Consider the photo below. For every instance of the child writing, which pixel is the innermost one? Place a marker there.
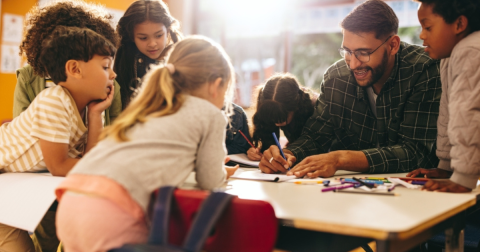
(451, 32)
(147, 31)
(282, 103)
(51, 133)
(32, 79)
(173, 127)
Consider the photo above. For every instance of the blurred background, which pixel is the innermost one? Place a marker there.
(260, 36)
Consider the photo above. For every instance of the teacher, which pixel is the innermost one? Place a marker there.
(378, 106)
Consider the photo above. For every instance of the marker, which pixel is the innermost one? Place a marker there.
(375, 178)
(246, 139)
(363, 183)
(334, 188)
(279, 147)
(309, 182)
(363, 180)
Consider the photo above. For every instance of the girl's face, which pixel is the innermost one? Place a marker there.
(150, 38)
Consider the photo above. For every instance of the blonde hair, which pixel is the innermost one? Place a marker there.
(197, 61)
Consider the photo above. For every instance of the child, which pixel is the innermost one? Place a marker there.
(451, 32)
(281, 104)
(147, 31)
(51, 134)
(234, 141)
(173, 127)
(32, 79)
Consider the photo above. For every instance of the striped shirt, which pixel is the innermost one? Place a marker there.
(405, 124)
(53, 116)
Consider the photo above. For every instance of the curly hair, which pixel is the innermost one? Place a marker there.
(280, 95)
(450, 10)
(73, 13)
(71, 43)
(138, 12)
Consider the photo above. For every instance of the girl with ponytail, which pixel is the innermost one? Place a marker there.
(147, 32)
(173, 127)
(282, 103)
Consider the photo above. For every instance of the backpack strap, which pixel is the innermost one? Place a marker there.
(161, 212)
(210, 211)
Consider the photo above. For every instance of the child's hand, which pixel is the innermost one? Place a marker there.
(445, 186)
(254, 154)
(231, 170)
(100, 105)
(430, 173)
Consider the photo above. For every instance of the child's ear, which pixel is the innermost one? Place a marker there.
(72, 68)
(461, 24)
(213, 87)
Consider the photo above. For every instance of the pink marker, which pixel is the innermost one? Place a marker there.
(334, 188)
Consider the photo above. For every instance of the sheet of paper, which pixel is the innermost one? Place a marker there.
(243, 159)
(258, 175)
(26, 197)
(12, 28)
(11, 59)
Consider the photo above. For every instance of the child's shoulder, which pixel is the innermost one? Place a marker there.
(468, 44)
(56, 96)
(201, 109)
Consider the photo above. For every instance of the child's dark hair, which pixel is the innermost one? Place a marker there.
(138, 12)
(280, 95)
(71, 43)
(42, 21)
(372, 16)
(450, 10)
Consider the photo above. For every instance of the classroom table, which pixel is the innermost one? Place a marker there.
(396, 223)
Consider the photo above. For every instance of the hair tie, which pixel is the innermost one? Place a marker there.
(171, 68)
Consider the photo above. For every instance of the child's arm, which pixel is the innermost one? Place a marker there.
(56, 157)
(95, 125)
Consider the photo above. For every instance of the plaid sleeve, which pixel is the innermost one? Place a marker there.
(415, 140)
(317, 134)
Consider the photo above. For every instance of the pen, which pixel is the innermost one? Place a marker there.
(334, 188)
(279, 147)
(363, 183)
(246, 139)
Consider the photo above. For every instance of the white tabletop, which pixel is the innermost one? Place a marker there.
(371, 216)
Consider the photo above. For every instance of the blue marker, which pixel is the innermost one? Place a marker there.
(279, 147)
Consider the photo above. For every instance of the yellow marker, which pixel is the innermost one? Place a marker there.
(308, 182)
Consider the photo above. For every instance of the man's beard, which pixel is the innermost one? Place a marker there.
(377, 72)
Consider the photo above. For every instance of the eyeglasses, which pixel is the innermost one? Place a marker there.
(361, 55)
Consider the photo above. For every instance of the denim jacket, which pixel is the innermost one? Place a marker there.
(234, 141)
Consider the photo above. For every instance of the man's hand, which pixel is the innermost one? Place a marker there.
(430, 173)
(322, 165)
(254, 154)
(445, 186)
(273, 162)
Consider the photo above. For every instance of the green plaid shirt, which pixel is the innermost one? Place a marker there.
(406, 123)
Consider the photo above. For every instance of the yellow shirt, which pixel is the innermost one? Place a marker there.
(53, 116)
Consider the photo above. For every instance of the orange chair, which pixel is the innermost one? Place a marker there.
(246, 225)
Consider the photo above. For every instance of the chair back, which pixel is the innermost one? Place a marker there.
(246, 225)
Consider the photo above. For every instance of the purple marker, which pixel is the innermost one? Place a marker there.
(334, 188)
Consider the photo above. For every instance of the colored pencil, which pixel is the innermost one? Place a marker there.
(246, 139)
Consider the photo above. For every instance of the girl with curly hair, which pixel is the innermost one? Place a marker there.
(147, 31)
(282, 103)
(33, 78)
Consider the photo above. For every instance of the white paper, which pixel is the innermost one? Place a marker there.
(26, 197)
(258, 175)
(12, 28)
(10, 59)
(243, 159)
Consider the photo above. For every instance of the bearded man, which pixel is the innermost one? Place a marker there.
(378, 106)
